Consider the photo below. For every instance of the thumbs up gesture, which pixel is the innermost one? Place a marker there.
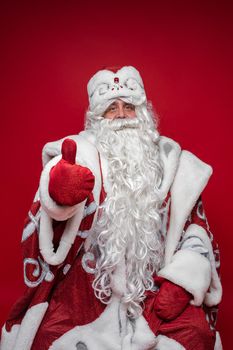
(70, 183)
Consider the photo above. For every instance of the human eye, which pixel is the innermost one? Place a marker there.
(112, 108)
(129, 106)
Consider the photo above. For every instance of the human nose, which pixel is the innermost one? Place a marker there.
(121, 113)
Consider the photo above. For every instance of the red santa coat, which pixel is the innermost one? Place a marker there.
(59, 305)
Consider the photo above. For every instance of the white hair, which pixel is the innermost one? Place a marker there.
(129, 227)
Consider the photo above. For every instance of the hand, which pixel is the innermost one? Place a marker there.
(70, 183)
(171, 300)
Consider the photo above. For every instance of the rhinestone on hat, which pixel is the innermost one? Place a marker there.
(116, 84)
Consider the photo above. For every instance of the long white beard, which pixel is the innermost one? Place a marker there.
(129, 227)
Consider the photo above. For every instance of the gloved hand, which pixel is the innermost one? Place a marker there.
(171, 300)
(70, 183)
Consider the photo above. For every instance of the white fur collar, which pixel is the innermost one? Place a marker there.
(169, 154)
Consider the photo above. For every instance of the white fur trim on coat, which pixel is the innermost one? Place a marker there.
(21, 336)
(218, 342)
(88, 135)
(111, 330)
(191, 271)
(214, 294)
(169, 154)
(67, 239)
(8, 339)
(191, 178)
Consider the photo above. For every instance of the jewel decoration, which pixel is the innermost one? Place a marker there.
(116, 84)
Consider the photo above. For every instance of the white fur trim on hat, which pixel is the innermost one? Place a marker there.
(106, 85)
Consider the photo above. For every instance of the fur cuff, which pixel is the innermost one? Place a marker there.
(67, 239)
(214, 294)
(191, 271)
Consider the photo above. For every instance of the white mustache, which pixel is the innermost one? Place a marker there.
(120, 123)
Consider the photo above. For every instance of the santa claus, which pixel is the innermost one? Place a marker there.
(117, 249)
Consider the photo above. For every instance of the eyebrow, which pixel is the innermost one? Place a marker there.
(112, 105)
(129, 104)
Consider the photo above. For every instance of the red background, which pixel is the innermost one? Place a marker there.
(50, 50)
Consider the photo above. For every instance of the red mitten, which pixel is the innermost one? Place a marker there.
(70, 183)
(171, 300)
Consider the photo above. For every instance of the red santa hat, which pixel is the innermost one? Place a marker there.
(111, 83)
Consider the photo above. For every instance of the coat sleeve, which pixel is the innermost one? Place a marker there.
(87, 156)
(195, 263)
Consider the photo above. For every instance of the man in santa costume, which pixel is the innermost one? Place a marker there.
(117, 249)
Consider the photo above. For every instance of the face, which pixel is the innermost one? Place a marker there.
(120, 109)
